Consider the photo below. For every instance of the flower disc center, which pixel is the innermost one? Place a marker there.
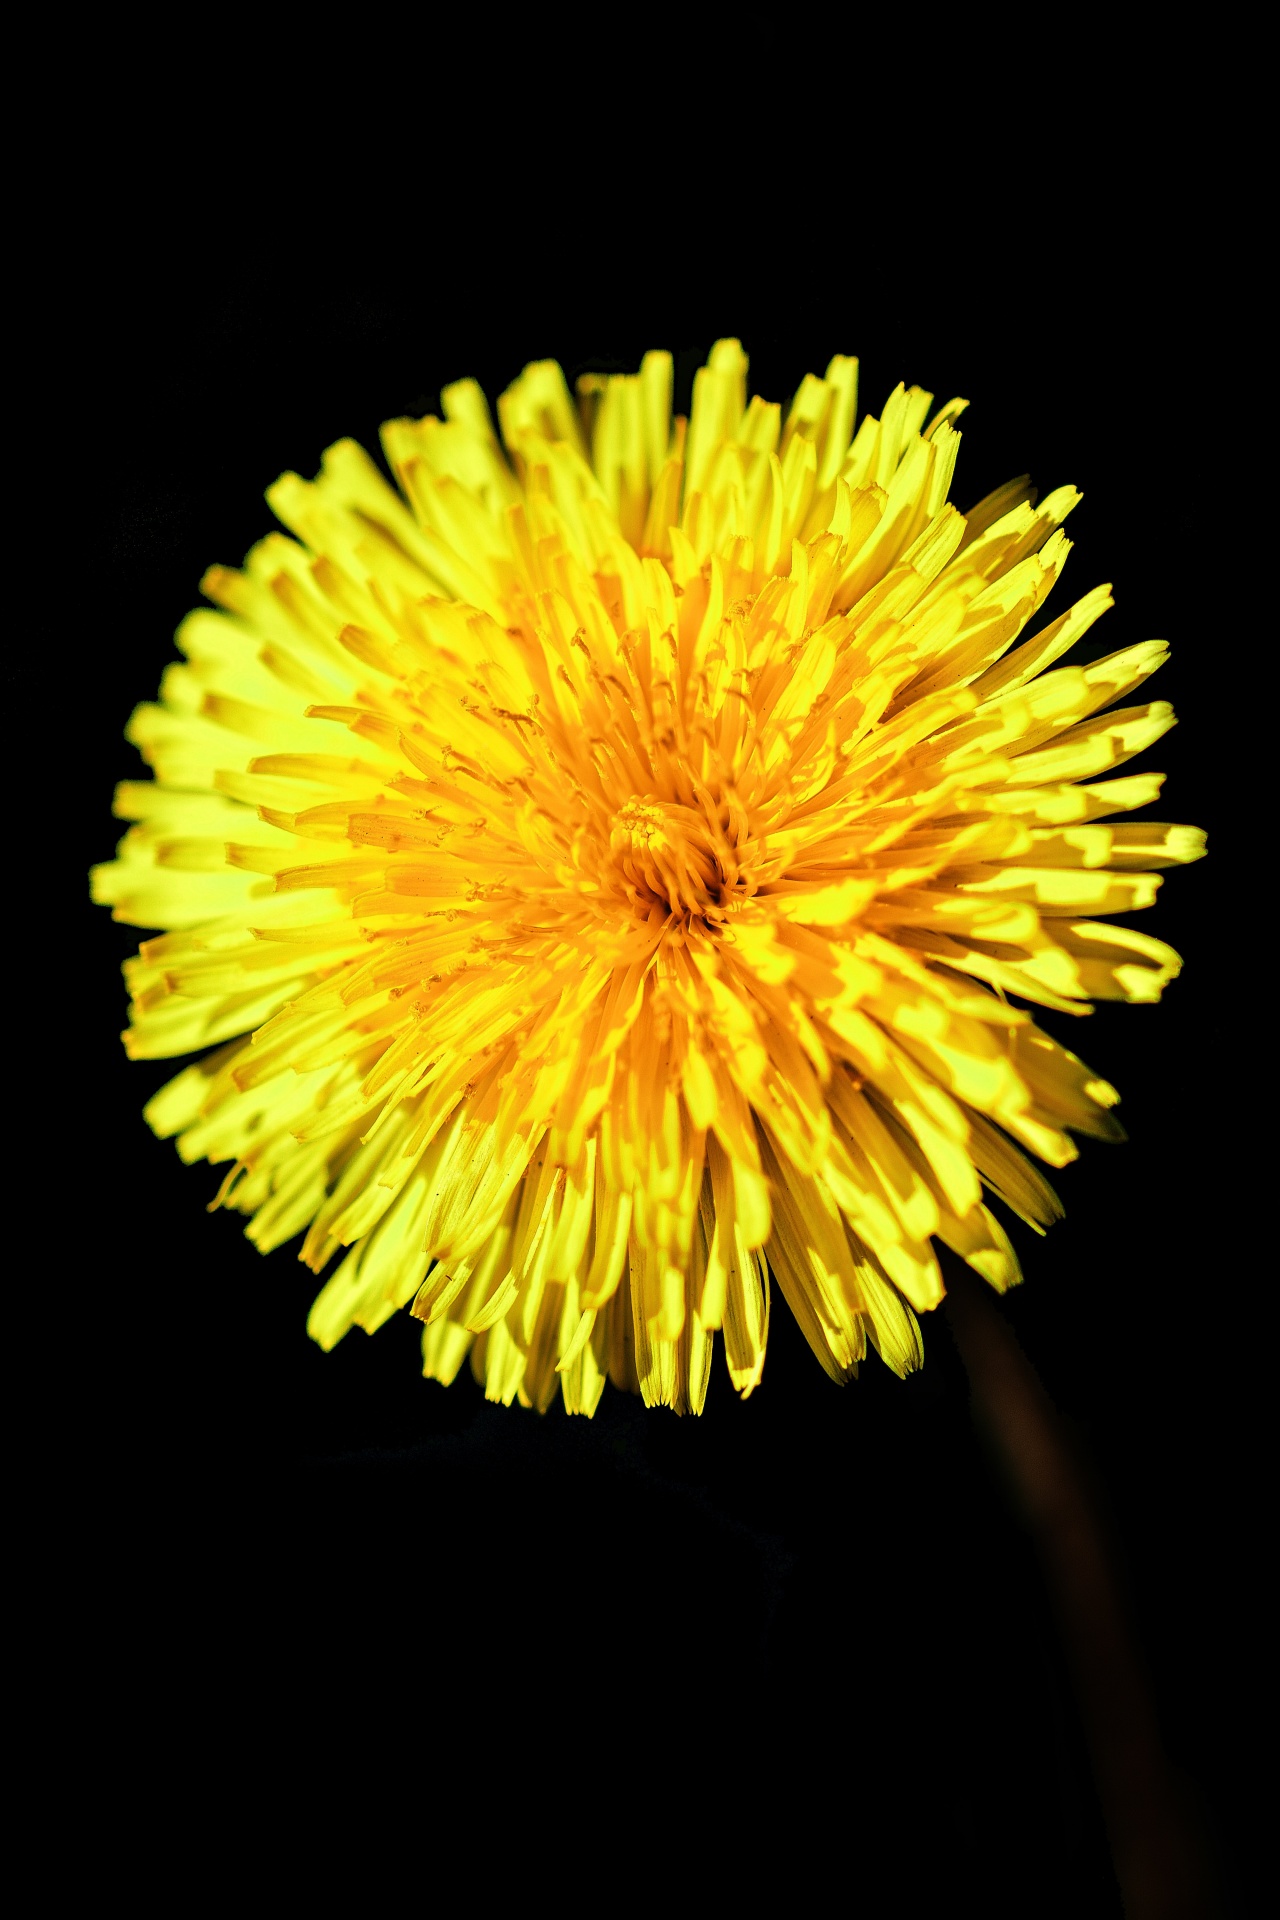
(673, 857)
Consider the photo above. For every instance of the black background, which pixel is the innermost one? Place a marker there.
(807, 1629)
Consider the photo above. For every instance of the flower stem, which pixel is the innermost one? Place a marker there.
(1156, 1847)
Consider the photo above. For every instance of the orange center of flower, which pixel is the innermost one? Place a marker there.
(680, 862)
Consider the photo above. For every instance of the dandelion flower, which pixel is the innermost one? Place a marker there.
(614, 872)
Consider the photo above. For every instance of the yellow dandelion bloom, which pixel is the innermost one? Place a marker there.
(610, 869)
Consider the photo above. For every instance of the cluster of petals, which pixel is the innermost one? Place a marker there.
(615, 872)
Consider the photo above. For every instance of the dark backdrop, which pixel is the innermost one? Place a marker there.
(809, 1627)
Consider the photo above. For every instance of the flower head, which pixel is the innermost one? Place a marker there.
(609, 872)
